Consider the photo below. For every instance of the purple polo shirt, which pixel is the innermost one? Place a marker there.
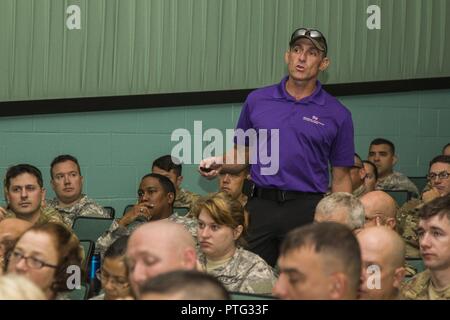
(313, 132)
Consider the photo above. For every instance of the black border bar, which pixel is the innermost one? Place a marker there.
(107, 103)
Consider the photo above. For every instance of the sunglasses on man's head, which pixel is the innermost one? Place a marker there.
(313, 33)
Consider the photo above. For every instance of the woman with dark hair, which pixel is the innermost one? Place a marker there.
(222, 222)
(44, 254)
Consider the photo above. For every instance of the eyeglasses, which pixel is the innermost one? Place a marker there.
(312, 33)
(116, 281)
(31, 262)
(441, 175)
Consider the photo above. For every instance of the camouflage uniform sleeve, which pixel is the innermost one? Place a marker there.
(260, 281)
(114, 232)
(417, 287)
(407, 222)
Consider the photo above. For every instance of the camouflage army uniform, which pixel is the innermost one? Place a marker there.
(397, 181)
(185, 199)
(360, 191)
(47, 215)
(116, 231)
(407, 223)
(245, 272)
(85, 207)
(420, 288)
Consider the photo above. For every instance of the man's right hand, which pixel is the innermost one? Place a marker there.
(135, 212)
(210, 167)
(430, 195)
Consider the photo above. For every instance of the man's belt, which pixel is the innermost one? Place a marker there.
(281, 195)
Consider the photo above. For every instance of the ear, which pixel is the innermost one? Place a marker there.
(399, 275)
(190, 259)
(6, 193)
(324, 64)
(362, 173)
(237, 232)
(286, 57)
(43, 193)
(390, 222)
(170, 198)
(53, 184)
(394, 161)
(339, 284)
(82, 179)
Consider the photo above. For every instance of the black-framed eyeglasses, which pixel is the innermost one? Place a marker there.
(313, 33)
(31, 262)
(441, 175)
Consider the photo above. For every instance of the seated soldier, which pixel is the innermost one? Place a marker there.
(341, 207)
(183, 285)
(10, 231)
(319, 261)
(25, 192)
(170, 167)
(232, 183)
(383, 259)
(158, 247)
(382, 154)
(67, 182)
(408, 218)
(156, 196)
(357, 176)
(371, 179)
(113, 272)
(221, 226)
(434, 241)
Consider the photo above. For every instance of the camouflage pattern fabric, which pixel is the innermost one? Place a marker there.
(397, 181)
(420, 288)
(246, 272)
(85, 207)
(47, 215)
(407, 223)
(185, 199)
(116, 231)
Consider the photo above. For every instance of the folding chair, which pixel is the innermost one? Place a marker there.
(400, 196)
(90, 228)
(79, 294)
(88, 251)
(420, 182)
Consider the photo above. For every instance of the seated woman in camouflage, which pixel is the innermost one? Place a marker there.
(221, 224)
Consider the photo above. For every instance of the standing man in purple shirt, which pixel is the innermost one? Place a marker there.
(308, 128)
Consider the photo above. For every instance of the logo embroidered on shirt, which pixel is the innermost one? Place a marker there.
(314, 120)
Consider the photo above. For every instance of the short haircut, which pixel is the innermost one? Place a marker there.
(224, 210)
(165, 182)
(168, 163)
(379, 141)
(332, 240)
(439, 158)
(118, 248)
(64, 158)
(445, 147)
(375, 169)
(355, 217)
(439, 206)
(19, 169)
(190, 284)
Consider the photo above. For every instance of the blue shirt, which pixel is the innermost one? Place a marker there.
(313, 132)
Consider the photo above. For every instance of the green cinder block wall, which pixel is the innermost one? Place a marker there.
(116, 148)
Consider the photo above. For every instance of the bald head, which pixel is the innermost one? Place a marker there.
(13, 228)
(383, 248)
(158, 247)
(380, 209)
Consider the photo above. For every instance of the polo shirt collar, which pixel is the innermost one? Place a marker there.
(317, 97)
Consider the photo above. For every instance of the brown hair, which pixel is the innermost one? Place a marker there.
(69, 252)
(224, 210)
(439, 206)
